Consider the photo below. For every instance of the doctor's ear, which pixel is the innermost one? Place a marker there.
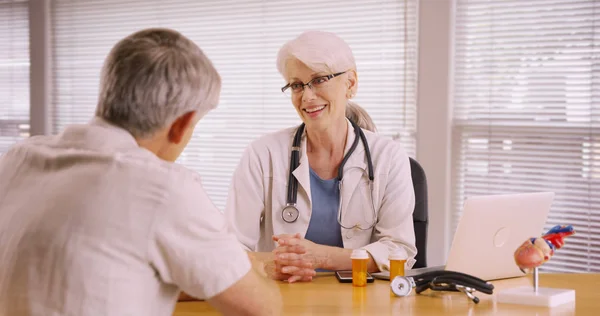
(351, 83)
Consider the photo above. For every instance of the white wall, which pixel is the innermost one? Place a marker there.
(434, 119)
(40, 77)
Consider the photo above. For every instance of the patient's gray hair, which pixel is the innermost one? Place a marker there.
(152, 77)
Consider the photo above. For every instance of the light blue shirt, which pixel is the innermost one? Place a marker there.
(324, 228)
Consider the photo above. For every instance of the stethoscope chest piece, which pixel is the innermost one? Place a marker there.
(290, 214)
(402, 286)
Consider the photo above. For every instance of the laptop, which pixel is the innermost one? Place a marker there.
(489, 231)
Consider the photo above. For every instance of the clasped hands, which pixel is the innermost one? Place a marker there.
(295, 258)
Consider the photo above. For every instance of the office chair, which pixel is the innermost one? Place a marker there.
(420, 217)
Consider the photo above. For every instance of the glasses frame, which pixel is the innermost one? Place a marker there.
(310, 83)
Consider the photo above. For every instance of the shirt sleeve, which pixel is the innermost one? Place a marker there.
(395, 228)
(191, 246)
(245, 201)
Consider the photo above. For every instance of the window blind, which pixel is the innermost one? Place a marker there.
(242, 39)
(14, 72)
(527, 112)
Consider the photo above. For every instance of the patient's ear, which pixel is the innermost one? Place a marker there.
(180, 126)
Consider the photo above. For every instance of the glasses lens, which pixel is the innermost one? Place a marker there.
(319, 82)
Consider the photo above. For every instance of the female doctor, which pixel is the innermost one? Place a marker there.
(302, 198)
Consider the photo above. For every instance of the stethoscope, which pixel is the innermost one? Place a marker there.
(441, 281)
(290, 212)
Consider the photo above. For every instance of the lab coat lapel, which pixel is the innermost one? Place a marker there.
(354, 169)
(302, 173)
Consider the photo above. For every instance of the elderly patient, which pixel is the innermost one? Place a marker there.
(98, 220)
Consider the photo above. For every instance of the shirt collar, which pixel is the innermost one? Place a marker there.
(99, 134)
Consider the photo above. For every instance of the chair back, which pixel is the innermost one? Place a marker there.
(420, 217)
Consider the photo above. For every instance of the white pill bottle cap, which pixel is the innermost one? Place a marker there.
(359, 254)
(398, 254)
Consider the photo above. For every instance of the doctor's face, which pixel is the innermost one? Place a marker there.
(323, 103)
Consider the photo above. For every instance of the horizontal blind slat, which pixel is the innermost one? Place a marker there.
(14, 73)
(526, 112)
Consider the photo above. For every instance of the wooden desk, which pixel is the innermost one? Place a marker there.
(325, 296)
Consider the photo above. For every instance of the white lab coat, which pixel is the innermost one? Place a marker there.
(258, 194)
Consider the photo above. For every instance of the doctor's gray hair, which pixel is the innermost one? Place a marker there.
(358, 115)
(319, 51)
(152, 77)
(324, 52)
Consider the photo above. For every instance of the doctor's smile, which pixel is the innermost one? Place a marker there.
(314, 112)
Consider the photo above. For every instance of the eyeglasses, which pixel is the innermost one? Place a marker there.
(316, 84)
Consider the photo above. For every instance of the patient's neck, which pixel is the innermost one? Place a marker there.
(157, 144)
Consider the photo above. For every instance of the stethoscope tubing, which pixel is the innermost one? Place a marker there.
(290, 212)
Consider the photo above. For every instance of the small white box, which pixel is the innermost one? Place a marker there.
(545, 296)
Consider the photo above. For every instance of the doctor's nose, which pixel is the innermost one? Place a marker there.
(308, 94)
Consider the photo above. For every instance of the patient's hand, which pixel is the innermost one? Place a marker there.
(183, 297)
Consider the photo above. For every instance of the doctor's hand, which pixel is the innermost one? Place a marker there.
(297, 257)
